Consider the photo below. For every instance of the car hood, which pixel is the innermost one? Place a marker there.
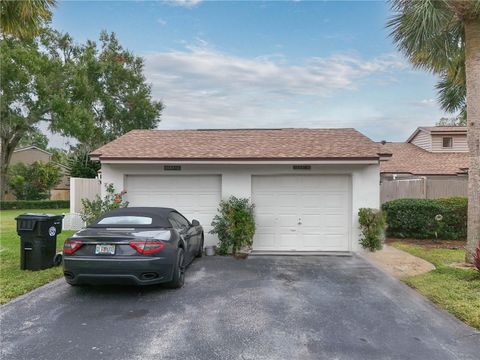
(122, 234)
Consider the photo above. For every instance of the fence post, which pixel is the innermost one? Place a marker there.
(425, 184)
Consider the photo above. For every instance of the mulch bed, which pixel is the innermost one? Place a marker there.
(431, 244)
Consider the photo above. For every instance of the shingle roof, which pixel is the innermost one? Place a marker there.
(445, 128)
(411, 159)
(242, 144)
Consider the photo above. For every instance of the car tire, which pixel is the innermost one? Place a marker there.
(178, 278)
(200, 250)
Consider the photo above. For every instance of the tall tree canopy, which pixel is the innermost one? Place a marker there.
(443, 36)
(24, 18)
(93, 93)
(34, 137)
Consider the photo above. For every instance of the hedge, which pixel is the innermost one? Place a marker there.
(34, 204)
(416, 218)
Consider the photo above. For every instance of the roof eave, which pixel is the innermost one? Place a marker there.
(414, 134)
(217, 161)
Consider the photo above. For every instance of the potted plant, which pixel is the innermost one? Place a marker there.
(235, 227)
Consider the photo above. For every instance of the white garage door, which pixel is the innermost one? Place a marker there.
(302, 213)
(196, 197)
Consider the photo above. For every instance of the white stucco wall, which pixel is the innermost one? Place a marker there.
(236, 180)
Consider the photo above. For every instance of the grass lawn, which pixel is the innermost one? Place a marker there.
(13, 281)
(457, 290)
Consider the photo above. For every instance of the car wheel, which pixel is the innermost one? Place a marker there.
(200, 250)
(178, 278)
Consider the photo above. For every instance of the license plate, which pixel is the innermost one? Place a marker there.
(105, 250)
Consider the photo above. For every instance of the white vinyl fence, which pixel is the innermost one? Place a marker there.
(82, 189)
(423, 188)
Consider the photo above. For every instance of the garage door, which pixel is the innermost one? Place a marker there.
(302, 213)
(196, 197)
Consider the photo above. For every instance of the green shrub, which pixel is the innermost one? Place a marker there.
(427, 218)
(93, 209)
(34, 181)
(235, 225)
(372, 225)
(35, 204)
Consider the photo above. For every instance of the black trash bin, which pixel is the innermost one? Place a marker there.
(38, 239)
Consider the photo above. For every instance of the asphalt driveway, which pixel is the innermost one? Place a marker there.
(260, 308)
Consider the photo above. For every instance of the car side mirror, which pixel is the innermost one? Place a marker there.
(195, 223)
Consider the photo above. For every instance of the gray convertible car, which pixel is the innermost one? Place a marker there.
(137, 245)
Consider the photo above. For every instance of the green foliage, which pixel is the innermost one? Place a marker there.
(81, 166)
(34, 137)
(431, 35)
(33, 182)
(452, 121)
(59, 156)
(88, 92)
(234, 225)
(93, 209)
(25, 18)
(108, 93)
(13, 281)
(454, 289)
(34, 204)
(418, 218)
(372, 225)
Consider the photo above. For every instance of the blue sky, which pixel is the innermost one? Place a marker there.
(267, 64)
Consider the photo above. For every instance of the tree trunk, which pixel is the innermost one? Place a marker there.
(472, 69)
(7, 148)
(6, 155)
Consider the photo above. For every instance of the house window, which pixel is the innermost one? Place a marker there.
(447, 142)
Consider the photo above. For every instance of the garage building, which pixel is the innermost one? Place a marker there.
(307, 184)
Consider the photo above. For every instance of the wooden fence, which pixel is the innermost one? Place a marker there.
(61, 194)
(423, 188)
(82, 189)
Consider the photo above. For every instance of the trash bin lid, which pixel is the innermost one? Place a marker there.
(39, 216)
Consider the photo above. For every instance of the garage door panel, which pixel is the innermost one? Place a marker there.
(314, 220)
(266, 220)
(312, 212)
(311, 200)
(265, 200)
(287, 220)
(286, 198)
(334, 220)
(196, 197)
(287, 241)
(334, 201)
(265, 240)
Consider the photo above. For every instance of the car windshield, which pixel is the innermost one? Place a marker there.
(126, 220)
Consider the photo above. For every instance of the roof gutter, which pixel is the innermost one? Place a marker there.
(242, 162)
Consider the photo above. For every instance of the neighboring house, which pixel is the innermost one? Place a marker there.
(439, 151)
(307, 184)
(432, 163)
(440, 138)
(28, 155)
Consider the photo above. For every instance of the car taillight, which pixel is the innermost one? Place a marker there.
(71, 246)
(147, 247)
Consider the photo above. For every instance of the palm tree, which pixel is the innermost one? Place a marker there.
(443, 36)
(24, 18)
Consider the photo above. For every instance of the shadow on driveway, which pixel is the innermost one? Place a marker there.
(311, 307)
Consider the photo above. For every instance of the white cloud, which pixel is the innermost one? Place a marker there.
(162, 22)
(184, 3)
(207, 68)
(426, 103)
(205, 88)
